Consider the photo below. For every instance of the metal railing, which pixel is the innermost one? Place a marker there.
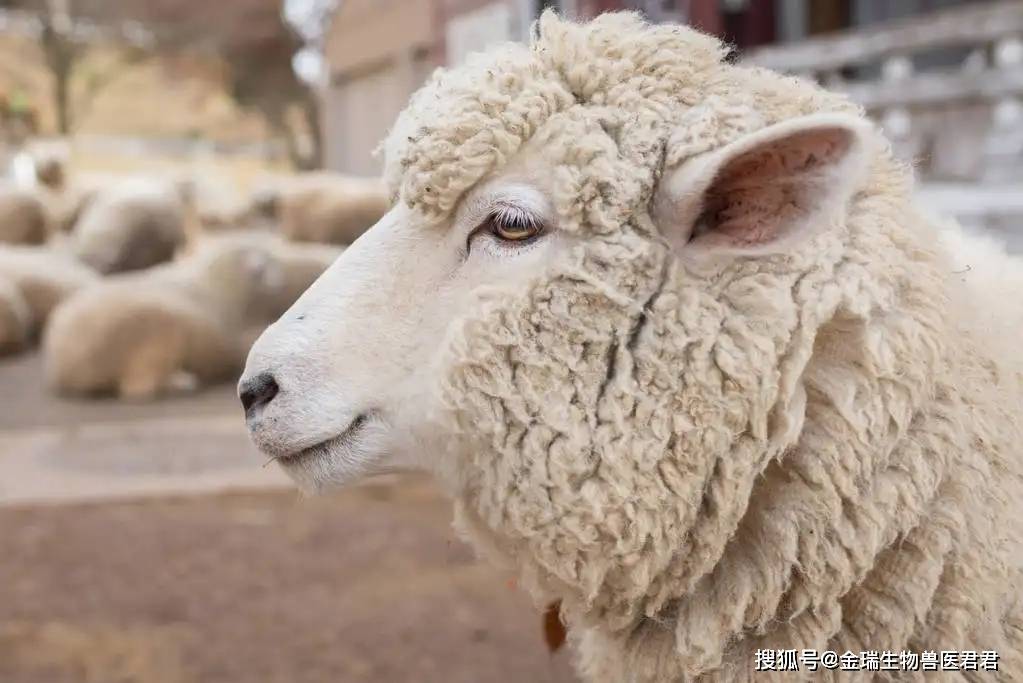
(958, 123)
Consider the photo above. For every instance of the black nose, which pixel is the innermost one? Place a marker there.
(257, 392)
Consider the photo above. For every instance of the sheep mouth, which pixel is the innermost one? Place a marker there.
(344, 441)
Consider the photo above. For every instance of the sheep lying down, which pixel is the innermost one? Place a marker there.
(15, 319)
(23, 218)
(131, 225)
(177, 326)
(67, 204)
(324, 207)
(42, 276)
(686, 355)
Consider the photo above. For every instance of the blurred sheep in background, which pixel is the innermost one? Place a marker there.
(14, 319)
(325, 207)
(181, 325)
(132, 225)
(23, 217)
(42, 277)
(148, 284)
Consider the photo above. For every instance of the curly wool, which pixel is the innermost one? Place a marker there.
(814, 450)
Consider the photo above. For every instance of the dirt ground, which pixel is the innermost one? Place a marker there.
(369, 584)
(366, 585)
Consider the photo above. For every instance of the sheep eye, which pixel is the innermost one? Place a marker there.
(513, 226)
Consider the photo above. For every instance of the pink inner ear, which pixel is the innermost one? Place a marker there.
(757, 195)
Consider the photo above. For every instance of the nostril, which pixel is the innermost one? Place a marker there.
(257, 392)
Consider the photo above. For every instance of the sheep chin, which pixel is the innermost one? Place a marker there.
(357, 453)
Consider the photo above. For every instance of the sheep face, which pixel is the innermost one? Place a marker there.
(579, 311)
(380, 388)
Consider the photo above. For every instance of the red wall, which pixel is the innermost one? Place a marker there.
(753, 26)
(591, 8)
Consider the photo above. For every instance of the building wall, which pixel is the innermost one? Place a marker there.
(378, 53)
(360, 108)
(472, 26)
(591, 8)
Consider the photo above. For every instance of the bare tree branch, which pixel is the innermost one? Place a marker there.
(251, 37)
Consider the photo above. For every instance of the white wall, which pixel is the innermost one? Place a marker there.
(478, 29)
(359, 111)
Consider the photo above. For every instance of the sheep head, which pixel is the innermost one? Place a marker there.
(588, 311)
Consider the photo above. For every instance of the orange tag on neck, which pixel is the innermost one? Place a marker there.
(553, 629)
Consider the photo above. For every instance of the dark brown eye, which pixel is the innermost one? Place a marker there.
(514, 226)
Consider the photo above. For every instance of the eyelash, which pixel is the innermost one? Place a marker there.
(508, 217)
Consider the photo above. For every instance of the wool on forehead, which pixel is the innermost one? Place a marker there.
(466, 122)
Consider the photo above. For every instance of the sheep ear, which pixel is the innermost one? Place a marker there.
(765, 191)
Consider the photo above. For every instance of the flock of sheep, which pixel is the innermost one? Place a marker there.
(141, 286)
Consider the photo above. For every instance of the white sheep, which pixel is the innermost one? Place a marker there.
(15, 319)
(50, 167)
(177, 326)
(214, 204)
(323, 207)
(675, 337)
(44, 276)
(23, 218)
(63, 196)
(133, 224)
(66, 204)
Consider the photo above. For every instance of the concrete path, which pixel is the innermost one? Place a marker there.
(54, 450)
